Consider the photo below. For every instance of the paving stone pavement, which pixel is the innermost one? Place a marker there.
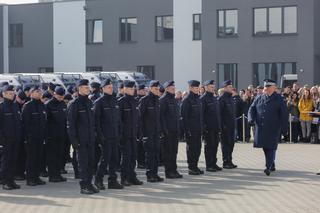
(294, 188)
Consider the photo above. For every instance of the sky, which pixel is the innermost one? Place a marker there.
(17, 1)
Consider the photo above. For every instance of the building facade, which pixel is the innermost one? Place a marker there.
(245, 41)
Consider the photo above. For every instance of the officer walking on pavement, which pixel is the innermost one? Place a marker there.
(211, 126)
(129, 121)
(269, 114)
(169, 119)
(108, 127)
(81, 131)
(191, 112)
(57, 134)
(227, 113)
(10, 136)
(149, 108)
(34, 119)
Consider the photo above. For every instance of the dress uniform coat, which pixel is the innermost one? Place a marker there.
(140, 149)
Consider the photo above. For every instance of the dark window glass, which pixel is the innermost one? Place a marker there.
(164, 28)
(16, 35)
(128, 29)
(147, 70)
(94, 31)
(197, 27)
(94, 68)
(227, 23)
(228, 72)
(45, 69)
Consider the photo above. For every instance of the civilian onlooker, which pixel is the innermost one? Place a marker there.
(306, 105)
(292, 103)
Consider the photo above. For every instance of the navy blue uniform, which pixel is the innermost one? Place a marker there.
(10, 137)
(57, 135)
(149, 108)
(170, 118)
(81, 131)
(191, 113)
(34, 119)
(227, 112)
(211, 127)
(270, 116)
(140, 149)
(108, 127)
(129, 121)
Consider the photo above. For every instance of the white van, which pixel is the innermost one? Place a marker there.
(11, 79)
(51, 78)
(288, 80)
(75, 76)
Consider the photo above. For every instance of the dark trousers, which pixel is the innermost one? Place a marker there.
(44, 158)
(75, 164)
(295, 131)
(97, 155)
(193, 140)
(151, 145)
(66, 153)
(227, 145)
(211, 143)
(109, 158)
(34, 149)
(55, 155)
(140, 152)
(86, 162)
(270, 155)
(128, 158)
(170, 151)
(20, 164)
(8, 161)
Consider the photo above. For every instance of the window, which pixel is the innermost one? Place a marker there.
(148, 70)
(272, 71)
(16, 35)
(196, 26)
(94, 31)
(275, 20)
(164, 28)
(128, 29)
(228, 72)
(227, 23)
(45, 70)
(94, 69)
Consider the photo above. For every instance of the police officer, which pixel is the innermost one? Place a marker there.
(141, 92)
(191, 112)
(227, 112)
(170, 117)
(108, 127)
(270, 116)
(129, 121)
(211, 126)
(34, 122)
(10, 136)
(57, 134)
(81, 131)
(95, 91)
(149, 108)
(120, 90)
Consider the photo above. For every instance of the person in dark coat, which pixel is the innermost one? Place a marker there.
(170, 117)
(34, 119)
(120, 90)
(57, 134)
(270, 116)
(211, 126)
(238, 104)
(129, 112)
(108, 127)
(227, 112)
(149, 109)
(141, 92)
(81, 131)
(10, 136)
(191, 113)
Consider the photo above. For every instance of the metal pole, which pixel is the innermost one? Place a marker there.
(290, 126)
(243, 129)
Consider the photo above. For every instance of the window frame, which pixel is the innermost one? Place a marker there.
(126, 40)
(225, 22)
(156, 26)
(268, 21)
(193, 27)
(11, 43)
(87, 39)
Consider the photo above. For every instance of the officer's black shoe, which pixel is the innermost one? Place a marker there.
(171, 176)
(63, 171)
(267, 172)
(159, 179)
(178, 175)
(86, 191)
(227, 166)
(114, 185)
(194, 172)
(31, 183)
(233, 165)
(19, 177)
(135, 181)
(218, 168)
(7, 186)
(100, 185)
(318, 173)
(55, 179)
(141, 166)
(14, 185)
(152, 179)
(39, 181)
(211, 169)
(125, 183)
(63, 179)
(93, 188)
(76, 176)
(201, 172)
(44, 174)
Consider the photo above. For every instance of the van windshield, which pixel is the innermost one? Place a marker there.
(70, 79)
(29, 80)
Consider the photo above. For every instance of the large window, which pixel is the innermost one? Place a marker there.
(228, 72)
(227, 23)
(196, 26)
(164, 28)
(272, 71)
(16, 35)
(128, 29)
(275, 20)
(94, 31)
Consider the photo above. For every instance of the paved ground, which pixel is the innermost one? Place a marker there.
(293, 188)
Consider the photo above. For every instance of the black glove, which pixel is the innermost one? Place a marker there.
(75, 146)
(251, 123)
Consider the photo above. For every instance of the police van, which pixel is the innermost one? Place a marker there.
(11, 79)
